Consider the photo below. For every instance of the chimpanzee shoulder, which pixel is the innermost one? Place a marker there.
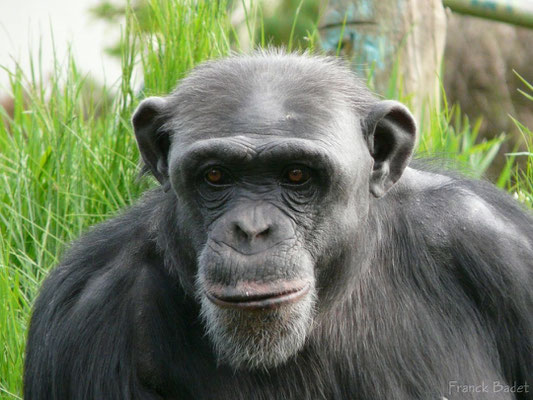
(453, 206)
(94, 294)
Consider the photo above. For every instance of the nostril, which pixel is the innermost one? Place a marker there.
(263, 234)
(239, 232)
(244, 233)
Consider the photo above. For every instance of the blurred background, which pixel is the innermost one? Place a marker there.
(26, 27)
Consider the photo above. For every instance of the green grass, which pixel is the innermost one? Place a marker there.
(68, 159)
(521, 182)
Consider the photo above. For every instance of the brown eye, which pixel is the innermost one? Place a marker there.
(214, 176)
(297, 175)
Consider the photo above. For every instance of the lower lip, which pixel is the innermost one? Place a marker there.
(264, 303)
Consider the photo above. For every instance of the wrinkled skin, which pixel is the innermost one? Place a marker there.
(290, 253)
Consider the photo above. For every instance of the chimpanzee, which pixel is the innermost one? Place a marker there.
(290, 252)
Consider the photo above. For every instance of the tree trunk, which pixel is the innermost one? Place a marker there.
(381, 37)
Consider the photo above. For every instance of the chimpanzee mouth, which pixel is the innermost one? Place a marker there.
(255, 296)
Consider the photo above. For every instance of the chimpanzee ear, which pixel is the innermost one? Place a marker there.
(390, 131)
(153, 143)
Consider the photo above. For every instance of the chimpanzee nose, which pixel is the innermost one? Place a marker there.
(247, 231)
(253, 228)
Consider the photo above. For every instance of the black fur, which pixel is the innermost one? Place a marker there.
(430, 290)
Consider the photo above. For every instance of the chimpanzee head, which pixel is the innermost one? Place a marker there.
(272, 162)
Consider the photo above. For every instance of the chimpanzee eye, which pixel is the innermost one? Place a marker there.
(296, 175)
(217, 176)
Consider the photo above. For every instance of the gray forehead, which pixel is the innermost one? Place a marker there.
(295, 75)
(265, 93)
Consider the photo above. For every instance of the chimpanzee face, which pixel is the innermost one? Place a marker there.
(272, 169)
